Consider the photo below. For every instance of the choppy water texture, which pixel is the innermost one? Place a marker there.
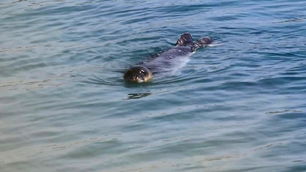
(237, 106)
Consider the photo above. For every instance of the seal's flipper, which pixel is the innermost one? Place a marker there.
(201, 43)
(205, 41)
(185, 39)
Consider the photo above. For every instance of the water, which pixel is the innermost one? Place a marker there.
(236, 106)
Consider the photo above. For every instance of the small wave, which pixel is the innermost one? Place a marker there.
(98, 80)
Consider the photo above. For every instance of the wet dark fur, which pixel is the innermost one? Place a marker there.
(184, 47)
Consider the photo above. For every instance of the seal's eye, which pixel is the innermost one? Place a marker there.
(142, 71)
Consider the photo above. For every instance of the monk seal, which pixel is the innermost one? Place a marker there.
(184, 47)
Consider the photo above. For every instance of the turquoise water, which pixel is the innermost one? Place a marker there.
(236, 106)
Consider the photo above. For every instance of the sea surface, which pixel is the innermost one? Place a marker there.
(236, 106)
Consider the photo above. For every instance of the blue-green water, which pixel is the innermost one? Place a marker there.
(236, 106)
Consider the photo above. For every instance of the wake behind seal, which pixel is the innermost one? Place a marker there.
(185, 46)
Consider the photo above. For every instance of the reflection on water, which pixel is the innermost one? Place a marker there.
(137, 95)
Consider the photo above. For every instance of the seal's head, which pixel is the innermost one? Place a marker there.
(138, 74)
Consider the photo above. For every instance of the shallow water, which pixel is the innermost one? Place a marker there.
(236, 106)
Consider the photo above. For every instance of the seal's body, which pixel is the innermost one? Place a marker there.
(167, 60)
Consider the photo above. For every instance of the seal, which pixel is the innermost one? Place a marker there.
(184, 48)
